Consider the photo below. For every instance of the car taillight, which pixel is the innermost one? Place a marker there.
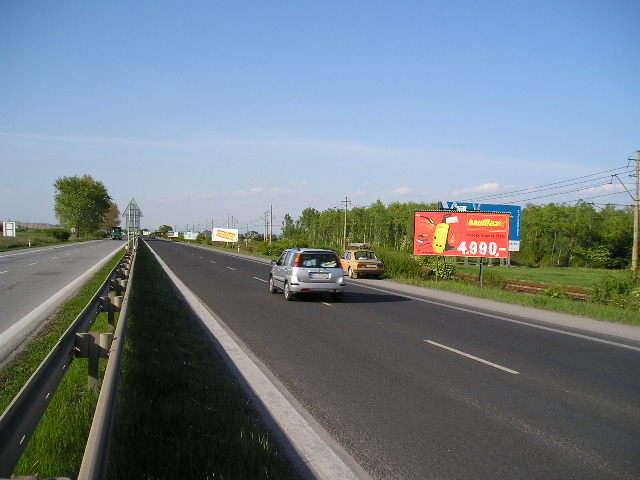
(297, 262)
(339, 262)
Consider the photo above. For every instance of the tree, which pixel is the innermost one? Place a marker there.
(80, 203)
(111, 218)
(164, 229)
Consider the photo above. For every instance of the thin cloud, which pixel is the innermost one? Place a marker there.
(484, 188)
(402, 191)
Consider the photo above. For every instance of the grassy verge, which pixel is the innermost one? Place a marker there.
(591, 310)
(53, 450)
(180, 414)
(570, 277)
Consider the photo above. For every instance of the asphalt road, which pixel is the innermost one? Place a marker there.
(415, 388)
(31, 279)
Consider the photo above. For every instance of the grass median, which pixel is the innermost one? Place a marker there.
(180, 413)
(57, 445)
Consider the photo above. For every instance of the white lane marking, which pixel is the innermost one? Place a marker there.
(4, 272)
(477, 359)
(506, 319)
(212, 261)
(53, 258)
(261, 279)
(327, 304)
(231, 268)
(34, 263)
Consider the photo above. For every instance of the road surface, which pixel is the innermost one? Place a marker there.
(416, 387)
(35, 282)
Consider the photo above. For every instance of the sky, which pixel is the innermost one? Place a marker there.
(205, 111)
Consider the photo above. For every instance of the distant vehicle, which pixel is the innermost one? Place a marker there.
(307, 270)
(361, 262)
(116, 233)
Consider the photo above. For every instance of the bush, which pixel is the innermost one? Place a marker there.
(622, 293)
(60, 234)
(556, 292)
(398, 264)
(493, 278)
(435, 267)
(275, 249)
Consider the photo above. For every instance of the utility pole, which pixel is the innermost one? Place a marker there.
(270, 223)
(636, 220)
(346, 202)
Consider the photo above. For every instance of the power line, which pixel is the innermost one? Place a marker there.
(555, 185)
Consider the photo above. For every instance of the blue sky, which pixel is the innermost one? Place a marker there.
(204, 109)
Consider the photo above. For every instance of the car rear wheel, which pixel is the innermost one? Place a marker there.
(288, 294)
(272, 287)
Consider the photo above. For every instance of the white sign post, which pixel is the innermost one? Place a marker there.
(9, 229)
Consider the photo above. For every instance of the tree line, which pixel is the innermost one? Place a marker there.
(551, 235)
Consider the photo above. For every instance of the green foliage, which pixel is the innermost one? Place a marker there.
(399, 264)
(556, 292)
(60, 234)
(81, 203)
(493, 278)
(275, 249)
(622, 293)
(433, 267)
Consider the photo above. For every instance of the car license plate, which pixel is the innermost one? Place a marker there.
(320, 276)
(371, 266)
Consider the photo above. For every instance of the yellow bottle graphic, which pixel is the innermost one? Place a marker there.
(440, 237)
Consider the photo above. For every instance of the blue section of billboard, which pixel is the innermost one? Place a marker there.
(514, 211)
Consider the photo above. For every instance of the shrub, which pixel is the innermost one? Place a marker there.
(60, 234)
(493, 278)
(435, 267)
(556, 292)
(275, 249)
(622, 293)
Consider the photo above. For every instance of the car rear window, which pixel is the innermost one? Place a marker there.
(365, 256)
(326, 260)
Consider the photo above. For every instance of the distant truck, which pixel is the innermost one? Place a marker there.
(116, 233)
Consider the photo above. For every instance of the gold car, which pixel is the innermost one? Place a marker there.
(361, 263)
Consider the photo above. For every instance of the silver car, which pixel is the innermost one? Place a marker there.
(306, 270)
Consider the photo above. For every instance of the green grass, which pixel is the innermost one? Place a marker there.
(38, 238)
(591, 310)
(569, 277)
(180, 414)
(57, 445)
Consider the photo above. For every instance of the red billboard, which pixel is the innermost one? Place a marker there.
(463, 234)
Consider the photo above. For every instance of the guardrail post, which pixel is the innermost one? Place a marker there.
(94, 346)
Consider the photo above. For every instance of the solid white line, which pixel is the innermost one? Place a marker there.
(231, 268)
(4, 272)
(327, 304)
(506, 319)
(53, 258)
(34, 263)
(261, 279)
(477, 359)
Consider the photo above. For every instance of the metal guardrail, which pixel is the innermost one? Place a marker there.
(20, 419)
(94, 461)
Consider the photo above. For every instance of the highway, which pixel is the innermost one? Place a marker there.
(414, 386)
(35, 282)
